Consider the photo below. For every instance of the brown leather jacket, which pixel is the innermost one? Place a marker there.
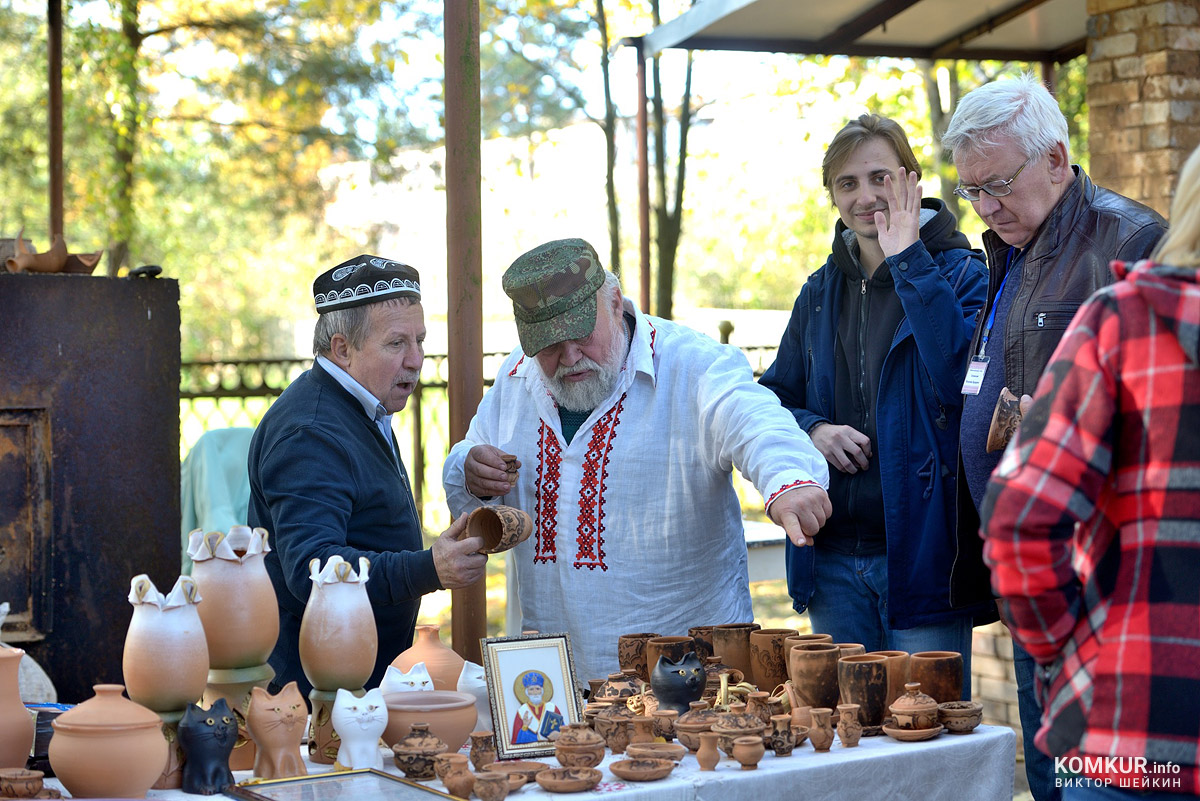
(1066, 262)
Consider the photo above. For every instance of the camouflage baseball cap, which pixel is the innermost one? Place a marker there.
(553, 289)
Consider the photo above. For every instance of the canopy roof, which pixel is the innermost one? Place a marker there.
(1017, 30)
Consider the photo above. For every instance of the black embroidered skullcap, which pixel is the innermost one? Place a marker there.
(362, 280)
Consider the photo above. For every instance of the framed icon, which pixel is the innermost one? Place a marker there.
(532, 692)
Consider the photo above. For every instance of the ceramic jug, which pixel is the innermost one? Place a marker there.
(338, 639)
(444, 665)
(16, 725)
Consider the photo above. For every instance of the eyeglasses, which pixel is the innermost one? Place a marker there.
(993, 188)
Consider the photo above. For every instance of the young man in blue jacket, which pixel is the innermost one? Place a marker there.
(871, 366)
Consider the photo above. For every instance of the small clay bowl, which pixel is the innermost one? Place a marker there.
(491, 786)
(912, 735)
(20, 783)
(801, 734)
(527, 768)
(515, 782)
(642, 769)
(568, 780)
(960, 717)
(672, 751)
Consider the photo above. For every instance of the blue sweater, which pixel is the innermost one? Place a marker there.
(323, 481)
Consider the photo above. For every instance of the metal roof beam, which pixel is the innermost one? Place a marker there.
(869, 20)
(956, 42)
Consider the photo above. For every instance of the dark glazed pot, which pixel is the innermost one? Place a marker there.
(813, 670)
(862, 680)
(940, 674)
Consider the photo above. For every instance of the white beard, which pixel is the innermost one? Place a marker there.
(583, 396)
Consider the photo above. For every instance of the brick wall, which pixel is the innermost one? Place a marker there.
(993, 683)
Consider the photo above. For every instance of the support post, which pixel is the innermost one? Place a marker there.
(643, 162)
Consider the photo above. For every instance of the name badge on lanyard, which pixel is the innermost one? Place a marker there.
(975, 373)
(977, 369)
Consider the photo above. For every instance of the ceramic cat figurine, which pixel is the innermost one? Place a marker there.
(473, 680)
(277, 723)
(359, 723)
(396, 680)
(677, 684)
(207, 737)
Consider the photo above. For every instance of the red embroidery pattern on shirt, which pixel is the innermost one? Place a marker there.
(653, 334)
(590, 536)
(786, 487)
(546, 499)
(513, 371)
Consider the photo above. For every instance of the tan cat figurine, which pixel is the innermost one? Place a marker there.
(277, 724)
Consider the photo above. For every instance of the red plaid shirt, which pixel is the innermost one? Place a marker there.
(1092, 528)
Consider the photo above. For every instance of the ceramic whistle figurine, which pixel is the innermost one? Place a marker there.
(359, 723)
(277, 724)
(207, 737)
(677, 684)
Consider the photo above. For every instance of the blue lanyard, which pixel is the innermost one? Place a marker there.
(987, 329)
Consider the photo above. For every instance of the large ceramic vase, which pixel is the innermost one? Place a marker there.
(338, 639)
(165, 661)
(940, 674)
(813, 671)
(443, 664)
(768, 666)
(240, 613)
(896, 663)
(631, 653)
(16, 724)
(863, 680)
(731, 642)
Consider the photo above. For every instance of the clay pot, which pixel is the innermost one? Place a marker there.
(459, 781)
(642, 769)
(800, 733)
(618, 687)
(593, 688)
(737, 722)
(767, 664)
(672, 751)
(849, 727)
(577, 746)
(483, 749)
(16, 725)
(631, 653)
(915, 709)
(443, 664)
(702, 637)
(641, 730)
(568, 780)
(851, 648)
(239, 613)
(414, 752)
(688, 726)
(20, 783)
(664, 723)
(960, 717)
(526, 769)
(338, 639)
(813, 671)
(444, 762)
(450, 715)
(802, 716)
(500, 527)
(165, 661)
(591, 710)
(731, 642)
(748, 751)
(940, 674)
(491, 786)
(708, 755)
(673, 648)
(897, 673)
(613, 725)
(821, 732)
(108, 746)
(862, 680)
(779, 737)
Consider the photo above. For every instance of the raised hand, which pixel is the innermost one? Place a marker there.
(901, 226)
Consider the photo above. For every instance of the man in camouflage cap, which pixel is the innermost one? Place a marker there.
(623, 430)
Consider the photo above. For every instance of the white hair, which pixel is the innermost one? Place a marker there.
(1020, 110)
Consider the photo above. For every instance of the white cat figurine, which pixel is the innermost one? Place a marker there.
(472, 680)
(396, 680)
(360, 722)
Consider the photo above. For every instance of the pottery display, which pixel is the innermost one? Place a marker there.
(960, 717)
(779, 737)
(821, 731)
(688, 726)
(737, 722)
(577, 746)
(731, 642)
(708, 756)
(568, 780)
(631, 653)
(862, 680)
(238, 613)
(338, 638)
(664, 723)
(490, 786)
(619, 686)
(748, 751)
(702, 637)
(483, 749)
(500, 527)
(277, 725)
(672, 751)
(16, 725)
(519, 767)
(896, 664)
(449, 714)
(940, 674)
(641, 769)
(914, 709)
(414, 752)
(768, 667)
(108, 746)
(612, 723)
(20, 783)
(165, 660)
(677, 682)
(912, 735)
(849, 727)
(813, 672)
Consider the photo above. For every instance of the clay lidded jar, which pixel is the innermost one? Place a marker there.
(239, 612)
(708, 755)
(108, 746)
(737, 722)
(338, 638)
(915, 709)
(821, 731)
(414, 752)
(577, 746)
(16, 725)
(619, 686)
(443, 664)
(813, 671)
(689, 725)
(613, 725)
(165, 661)
(940, 674)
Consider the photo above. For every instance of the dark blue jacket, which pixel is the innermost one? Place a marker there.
(324, 481)
(941, 284)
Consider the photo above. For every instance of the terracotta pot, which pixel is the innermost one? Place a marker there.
(444, 762)
(108, 747)
(748, 751)
(802, 716)
(940, 674)
(673, 648)
(799, 639)
(664, 723)
(631, 653)
(483, 749)
(338, 639)
(712, 676)
(20, 783)
(613, 725)
(16, 725)
(779, 737)
(578, 746)
(862, 680)
(500, 527)
(708, 755)
(897, 673)
(737, 722)
(960, 717)
(449, 715)
(491, 786)
(767, 664)
(414, 752)
(618, 687)
(702, 635)
(459, 782)
(689, 725)
(165, 661)
(851, 648)
(641, 730)
(849, 726)
(812, 669)
(731, 642)
(915, 709)
(239, 613)
(443, 664)
(821, 732)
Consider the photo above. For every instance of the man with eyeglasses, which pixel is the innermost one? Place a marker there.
(1052, 234)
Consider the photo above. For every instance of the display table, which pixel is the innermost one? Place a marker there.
(978, 765)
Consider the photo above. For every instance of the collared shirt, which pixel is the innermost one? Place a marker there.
(371, 405)
(636, 523)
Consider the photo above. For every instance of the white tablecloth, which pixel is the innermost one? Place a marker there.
(978, 766)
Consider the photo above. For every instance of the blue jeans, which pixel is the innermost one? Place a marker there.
(1039, 768)
(849, 602)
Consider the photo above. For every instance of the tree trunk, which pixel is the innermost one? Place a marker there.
(125, 131)
(610, 142)
(938, 120)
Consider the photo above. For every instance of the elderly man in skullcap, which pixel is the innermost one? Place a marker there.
(326, 477)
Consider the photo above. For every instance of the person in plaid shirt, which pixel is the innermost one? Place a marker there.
(1091, 524)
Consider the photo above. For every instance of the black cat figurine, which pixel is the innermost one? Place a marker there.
(677, 684)
(207, 737)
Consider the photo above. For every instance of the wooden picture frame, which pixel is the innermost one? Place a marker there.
(516, 667)
(362, 783)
